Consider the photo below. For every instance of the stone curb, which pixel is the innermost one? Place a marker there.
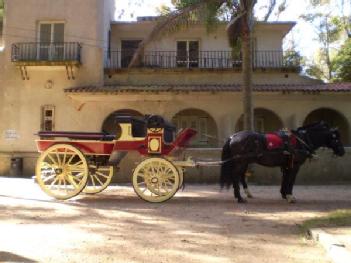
(335, 249)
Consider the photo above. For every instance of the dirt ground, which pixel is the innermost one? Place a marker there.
(199, 224)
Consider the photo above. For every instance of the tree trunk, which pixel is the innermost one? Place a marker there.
(247, 81)
(247, 69)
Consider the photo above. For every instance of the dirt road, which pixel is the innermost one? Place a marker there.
(197, 225)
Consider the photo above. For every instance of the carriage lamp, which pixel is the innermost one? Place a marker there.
(154, 143)
(49, 84)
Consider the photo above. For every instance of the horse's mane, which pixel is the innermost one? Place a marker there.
(321, 125)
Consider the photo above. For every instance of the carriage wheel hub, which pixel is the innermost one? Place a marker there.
(154, 180)
(58, 171)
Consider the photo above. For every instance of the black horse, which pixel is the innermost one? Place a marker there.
(247, 147)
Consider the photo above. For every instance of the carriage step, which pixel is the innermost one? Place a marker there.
(116, 157)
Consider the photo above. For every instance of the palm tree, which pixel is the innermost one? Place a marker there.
(239, 29)
(1, 10)
(1, 19)
(1, 16)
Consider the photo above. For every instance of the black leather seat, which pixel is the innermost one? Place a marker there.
(156, 121)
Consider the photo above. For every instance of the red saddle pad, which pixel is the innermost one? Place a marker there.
(274, 141)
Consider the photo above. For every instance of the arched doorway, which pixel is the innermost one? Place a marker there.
(264, 121)
(333, 118)
(109, 124)
(202, 122)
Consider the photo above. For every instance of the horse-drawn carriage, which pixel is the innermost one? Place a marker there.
(72, 162)
(75, 162)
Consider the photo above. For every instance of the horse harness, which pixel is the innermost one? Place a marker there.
(288, 148)
(305, 143)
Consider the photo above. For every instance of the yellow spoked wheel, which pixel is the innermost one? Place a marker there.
(155, 180)
(62, 171)
(99, 178)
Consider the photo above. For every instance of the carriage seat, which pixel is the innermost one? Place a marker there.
(140, 126)
(281, 140)
(96, 136)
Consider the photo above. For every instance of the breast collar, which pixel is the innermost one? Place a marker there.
(306, 141)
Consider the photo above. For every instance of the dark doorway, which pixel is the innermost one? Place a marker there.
(128, 49)
(188, 54)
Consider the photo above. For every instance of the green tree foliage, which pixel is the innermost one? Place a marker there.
(332, 25)
(341, 6)
(328, 30)
(342, 63)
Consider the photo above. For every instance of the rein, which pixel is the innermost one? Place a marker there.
(217, 163)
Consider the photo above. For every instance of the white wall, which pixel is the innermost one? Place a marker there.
(269, 37)
(21, 100)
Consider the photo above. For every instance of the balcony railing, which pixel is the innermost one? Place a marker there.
(204, 59)
(53, 53)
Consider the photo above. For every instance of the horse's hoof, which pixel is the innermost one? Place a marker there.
(242, 201)
(248, 194)
(283, 196)
(291, 199)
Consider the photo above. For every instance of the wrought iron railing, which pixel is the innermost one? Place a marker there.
(202, 59)
(42, 52)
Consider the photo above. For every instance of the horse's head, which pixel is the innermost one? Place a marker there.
(321, 135)
(333, 141)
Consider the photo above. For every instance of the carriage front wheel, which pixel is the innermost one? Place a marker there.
(156, 180)
(62, 171)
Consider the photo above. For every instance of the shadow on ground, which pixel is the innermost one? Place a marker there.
(10, 257)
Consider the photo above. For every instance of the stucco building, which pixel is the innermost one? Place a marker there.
(63, 66)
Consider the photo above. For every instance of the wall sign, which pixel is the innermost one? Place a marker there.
(11, 135)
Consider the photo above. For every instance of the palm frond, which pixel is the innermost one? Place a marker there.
(199, 11)
(234, 29)
(240, 22)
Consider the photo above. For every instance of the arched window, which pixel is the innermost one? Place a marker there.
(265, 121)
(201, 121)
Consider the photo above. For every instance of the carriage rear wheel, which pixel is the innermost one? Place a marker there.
(62, 171)
(156, 180)
(99, 179)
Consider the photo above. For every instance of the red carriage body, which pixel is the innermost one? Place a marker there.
(149, 141)
(71, 162)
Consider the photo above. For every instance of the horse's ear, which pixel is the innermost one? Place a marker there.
(324, 124)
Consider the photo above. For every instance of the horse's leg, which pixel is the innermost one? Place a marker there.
(238, 173)
(290, 185)
(243, 180)
(285, 181)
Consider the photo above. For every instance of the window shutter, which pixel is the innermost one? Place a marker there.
(59, 33)
(45, 33)
(48, 118)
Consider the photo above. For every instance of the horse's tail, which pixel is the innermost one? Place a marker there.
(227, 166)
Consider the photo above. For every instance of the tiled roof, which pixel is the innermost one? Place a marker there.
(336, 87)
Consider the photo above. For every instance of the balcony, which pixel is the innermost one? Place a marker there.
(46, 54)
(264, 60)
